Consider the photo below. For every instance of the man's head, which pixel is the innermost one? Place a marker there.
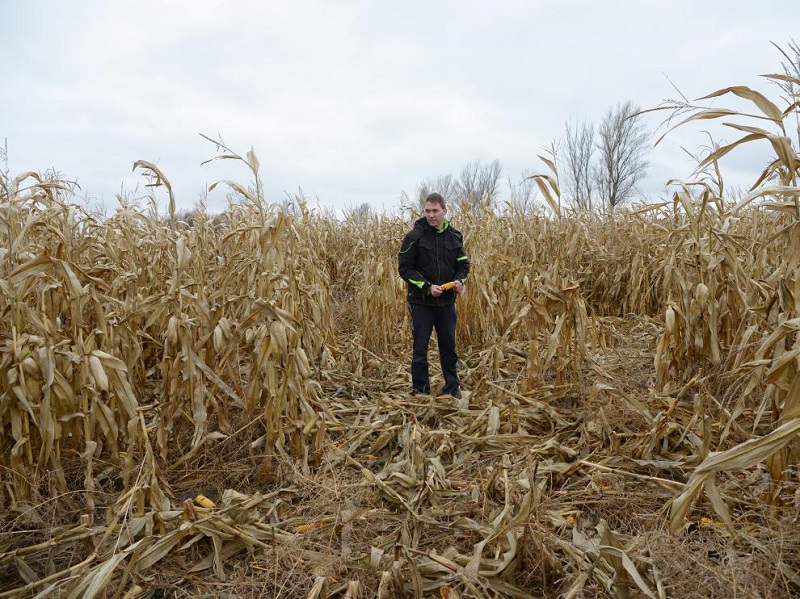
(435, 210)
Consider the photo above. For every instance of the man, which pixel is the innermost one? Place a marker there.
(432, 254)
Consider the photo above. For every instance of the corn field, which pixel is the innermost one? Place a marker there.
(222, 408)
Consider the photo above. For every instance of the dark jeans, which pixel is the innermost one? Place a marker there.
(423, 320)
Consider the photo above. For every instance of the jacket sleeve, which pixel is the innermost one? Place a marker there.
(407, 263)
(462, 265)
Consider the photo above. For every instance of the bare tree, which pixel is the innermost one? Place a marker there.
(5, 176)
(579, 173)
(478, 182)
(622, 144)
(4, 155)
(523, 195)
(360, 213)
(444, 185)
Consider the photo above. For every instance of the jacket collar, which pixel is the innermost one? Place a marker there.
(423, 224)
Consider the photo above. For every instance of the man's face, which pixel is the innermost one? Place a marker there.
(435, 214)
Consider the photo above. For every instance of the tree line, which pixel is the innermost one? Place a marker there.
(599, 167)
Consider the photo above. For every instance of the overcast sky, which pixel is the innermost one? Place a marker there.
(357, 101)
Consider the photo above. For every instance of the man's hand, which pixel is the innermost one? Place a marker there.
(436, 290)
(459, 287)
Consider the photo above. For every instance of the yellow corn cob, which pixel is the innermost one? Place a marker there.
(448, 286)
(204, 501)
(311, 526)
(709, 523)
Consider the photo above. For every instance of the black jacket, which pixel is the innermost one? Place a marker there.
(432, 257)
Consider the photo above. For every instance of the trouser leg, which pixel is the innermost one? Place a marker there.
(422, 322)
(446, 336)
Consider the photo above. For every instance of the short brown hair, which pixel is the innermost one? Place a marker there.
(436, 198)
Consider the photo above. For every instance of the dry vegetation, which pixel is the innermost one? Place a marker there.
(630, 429)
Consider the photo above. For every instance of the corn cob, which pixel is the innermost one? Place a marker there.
(204, 501)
